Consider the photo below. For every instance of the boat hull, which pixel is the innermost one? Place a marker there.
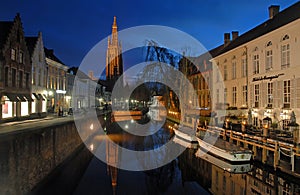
(232, 156)
(225, 165)
(186, 135)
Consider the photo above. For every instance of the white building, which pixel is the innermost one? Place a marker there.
(260, 68)
(38, 74)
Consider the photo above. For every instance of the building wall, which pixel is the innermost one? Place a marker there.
(56, 81)
(16, 71)
(278, 111)
(39, 76)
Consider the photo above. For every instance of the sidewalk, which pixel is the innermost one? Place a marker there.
(31, 124)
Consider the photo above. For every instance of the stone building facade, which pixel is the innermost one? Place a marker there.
(260, 68)
(38, 74)
(15, 71)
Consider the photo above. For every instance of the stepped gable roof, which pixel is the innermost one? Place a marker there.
(284, 17)
(50, 54)
(31, 42)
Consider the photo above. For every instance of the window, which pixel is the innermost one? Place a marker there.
(256, 96)
(285, 56)
(286, 93)
(224, 182)
(233, 70)
(234, 96)
(20, 79)
(13, 77)
(269, 60)
(270, 95)
(244, 67)
(225, 73)
(256, 64)
(245, 95)
(13, 54)
(21, 57)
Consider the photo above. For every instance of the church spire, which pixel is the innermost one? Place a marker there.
(115, 32)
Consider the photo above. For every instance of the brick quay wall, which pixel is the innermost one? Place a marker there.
(30, 153)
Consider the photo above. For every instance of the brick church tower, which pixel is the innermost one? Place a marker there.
(114, 62)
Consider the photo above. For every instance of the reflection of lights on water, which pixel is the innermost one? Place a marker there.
(132, 121)
(126, 126)
(92, 147)
(92, 126)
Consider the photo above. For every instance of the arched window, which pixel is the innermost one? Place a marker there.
(285, 52)
(255, 59)
(286, 37)
(269, 57)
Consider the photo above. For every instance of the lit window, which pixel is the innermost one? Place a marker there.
(285, 56)
(256, 96)
(286, 93)
(244, 67)
(21, 57)
(234, 96)
(270, 95)
(225, 73)
(13, 54)
(256, 64)
(245, 95)
(233, 70)
(269, 60)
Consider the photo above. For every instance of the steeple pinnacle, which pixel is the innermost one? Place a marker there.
(115, 32)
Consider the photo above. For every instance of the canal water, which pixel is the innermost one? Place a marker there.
(187, 174)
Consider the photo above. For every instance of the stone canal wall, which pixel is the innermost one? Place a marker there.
(31, 153)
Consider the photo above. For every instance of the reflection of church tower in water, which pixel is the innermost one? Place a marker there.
(114, 62)
(112, 159)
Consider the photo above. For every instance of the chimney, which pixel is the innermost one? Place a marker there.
(273, 10)
(234, 34)
(226, 39)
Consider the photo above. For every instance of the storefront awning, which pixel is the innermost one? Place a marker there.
(36, 96)
(21, 98)
(41, 97)
(11, 97)
(28, 97)
(46, 97)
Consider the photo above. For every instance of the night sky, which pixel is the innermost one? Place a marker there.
(72, 28)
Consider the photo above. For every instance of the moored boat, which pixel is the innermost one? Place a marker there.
(225, 165)
(225, 150)
(185, 133)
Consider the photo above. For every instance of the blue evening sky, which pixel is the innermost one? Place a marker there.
(72, 28)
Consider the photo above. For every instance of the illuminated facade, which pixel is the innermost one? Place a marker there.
(114, 62)
(15, 71)
(38, 75)
(56, 81)
(260, 68)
